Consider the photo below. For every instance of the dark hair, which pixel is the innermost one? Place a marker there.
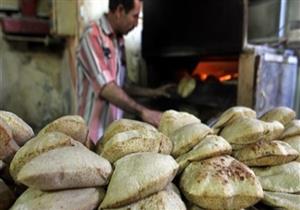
(127, 4)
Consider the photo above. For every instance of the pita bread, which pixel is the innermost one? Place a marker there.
(186, 137)
(71, 125)
(164, 200)
(272, 130)
(76, 199)
(166, 145)
(36, 146)
(122, 125)
(266, 154)
(232, 114)
(285, 201)
(186, 86)
(220, 183)
(65, 168)
(172, 187)
(291, 129)
(295, 143)
(191, 206)
(281, 178)
(172, 120)
(6, 196)
(194, 207)
(241, 146)
(243, 131)
(21, 131)
(8, 146)
(210, 146)
(137, 176)
(134, 141)
(282, 114)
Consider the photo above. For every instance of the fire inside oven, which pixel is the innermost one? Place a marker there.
(219, 70)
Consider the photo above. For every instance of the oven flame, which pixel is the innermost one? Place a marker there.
(221, 70)
(225, 78)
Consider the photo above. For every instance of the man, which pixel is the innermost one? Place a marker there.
(101, 70)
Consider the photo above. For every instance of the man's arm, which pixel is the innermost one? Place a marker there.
(117, 96)
(134, 90)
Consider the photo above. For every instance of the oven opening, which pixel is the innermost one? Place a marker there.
(204, 87)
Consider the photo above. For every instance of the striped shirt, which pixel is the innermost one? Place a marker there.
(100, 60)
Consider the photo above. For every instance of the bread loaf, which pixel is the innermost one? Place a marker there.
(21, 131)
(220, 183)
(282, 114)
(71, 125)
(65, 168)
(36, 146)
(76, 199)
(137, 176)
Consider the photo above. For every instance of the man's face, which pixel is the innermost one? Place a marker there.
(129, 20)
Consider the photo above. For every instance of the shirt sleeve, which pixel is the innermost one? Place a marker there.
(92, 57)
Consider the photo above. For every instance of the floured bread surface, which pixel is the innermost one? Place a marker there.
(210, 146)
(272, 130)
(241, 146)
(281, 178)
(243, 131)
(137, 176)
(8, 146)
(123, 125)
(71, 125)
(36, 146)
(134, 141)
(266, 154)
(282, 114)
(20, 129)
(65, 168)
(186, 137)
(286, 201)
(172, 120)
(220, 183)
(295, 143)
(164, 200)
(233, 114)
(76, 199)
(291, 129)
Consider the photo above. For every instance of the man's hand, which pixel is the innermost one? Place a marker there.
(151, 116)
(162, 91)
(115, 95)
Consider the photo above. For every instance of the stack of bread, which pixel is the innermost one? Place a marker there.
(210, 178)
(232, 165)
(59, 171)
(258, 144)
(14, 132)
(143, 168)
(280, 178)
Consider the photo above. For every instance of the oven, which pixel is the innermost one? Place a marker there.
(207, 41)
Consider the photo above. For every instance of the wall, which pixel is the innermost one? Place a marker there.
(293, 23)
(293, 34)
(34, 83)
(93, 9)
(258, 20)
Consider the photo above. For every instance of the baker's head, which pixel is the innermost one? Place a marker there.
(125, 14)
